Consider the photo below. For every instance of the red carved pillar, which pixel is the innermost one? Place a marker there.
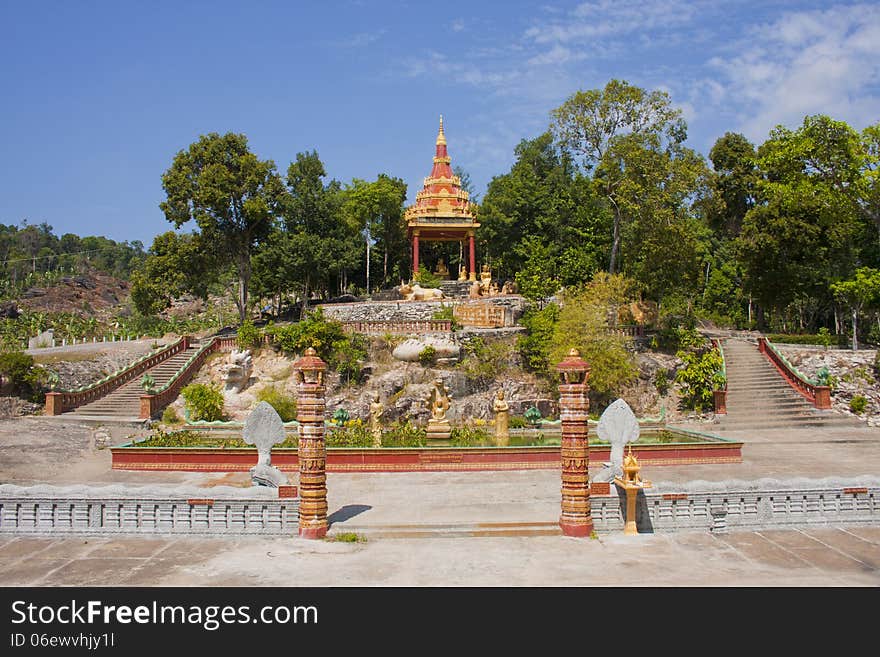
(312, 451)
(574, 405)
(472, 258)
(415, 255)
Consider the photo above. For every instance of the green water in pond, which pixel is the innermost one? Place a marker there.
(527, 438)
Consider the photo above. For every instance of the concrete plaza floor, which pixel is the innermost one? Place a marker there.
(447, 529)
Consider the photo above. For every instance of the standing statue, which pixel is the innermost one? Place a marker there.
(485, 279)
(502, 418)
(376, 409)
(438, 425)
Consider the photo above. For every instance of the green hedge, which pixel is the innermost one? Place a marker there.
(807, 338)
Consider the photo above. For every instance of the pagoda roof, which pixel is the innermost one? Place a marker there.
(441, 200)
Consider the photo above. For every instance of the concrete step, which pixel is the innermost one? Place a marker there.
(760, 389)
(769, 403)
(771, 394)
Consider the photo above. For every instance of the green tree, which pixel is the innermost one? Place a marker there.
(377, 208)
(536, 344)
(543, 204)
(862, 291)
(323, 244)
(230, 194)
(734, 182)
(175, 265)
(586, 322)
(605, 129)
(807, 228)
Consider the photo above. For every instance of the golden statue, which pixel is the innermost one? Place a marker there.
(502, 418)
(438, 425)
(376, 410)
(441, 401)
(485, 279)
(442, 270)
(462, 273)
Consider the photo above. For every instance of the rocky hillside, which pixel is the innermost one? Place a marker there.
(89, 295)
(854, 373)
(404, 387)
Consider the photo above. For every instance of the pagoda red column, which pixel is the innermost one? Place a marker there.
(312, 451)
(415, 255)
(472, 258)
(574, 405)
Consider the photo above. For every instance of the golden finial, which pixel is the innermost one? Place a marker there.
(441, 138)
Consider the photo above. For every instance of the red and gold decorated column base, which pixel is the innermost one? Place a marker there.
(312, 450)
(574, 406)
(576, 518)
(313, 532)
(578, 530)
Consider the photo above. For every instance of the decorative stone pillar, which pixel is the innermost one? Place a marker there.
(574, 406)
(472, 257)
(312, 451)
(54, 403)
(415, 253)
(720, 399)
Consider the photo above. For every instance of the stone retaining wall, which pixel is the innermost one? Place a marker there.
(743, 506)
(411, 311)
(49, 510)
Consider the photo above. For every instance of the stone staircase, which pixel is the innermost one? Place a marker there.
(758, 397)
(125, 401)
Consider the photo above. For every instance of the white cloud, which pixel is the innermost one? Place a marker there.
(609, 18)
(556, 56)
(808, 62)
(457, 25)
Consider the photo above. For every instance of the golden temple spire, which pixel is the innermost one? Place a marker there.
(441, 138)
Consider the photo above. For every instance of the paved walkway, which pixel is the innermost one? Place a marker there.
(439, 529)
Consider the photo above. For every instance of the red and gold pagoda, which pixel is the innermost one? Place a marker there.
(442, 211)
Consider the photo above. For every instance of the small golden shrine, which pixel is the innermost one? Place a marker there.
(442, 211)
(632, 483)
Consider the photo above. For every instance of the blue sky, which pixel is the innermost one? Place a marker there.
(97, 97)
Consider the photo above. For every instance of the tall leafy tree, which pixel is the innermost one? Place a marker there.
(377, 208)
(603, 129)
(541, 222)
(665, 242)
(734, 182)
(861, 291)
(230, 194)
(322, 242)
(809, 227)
